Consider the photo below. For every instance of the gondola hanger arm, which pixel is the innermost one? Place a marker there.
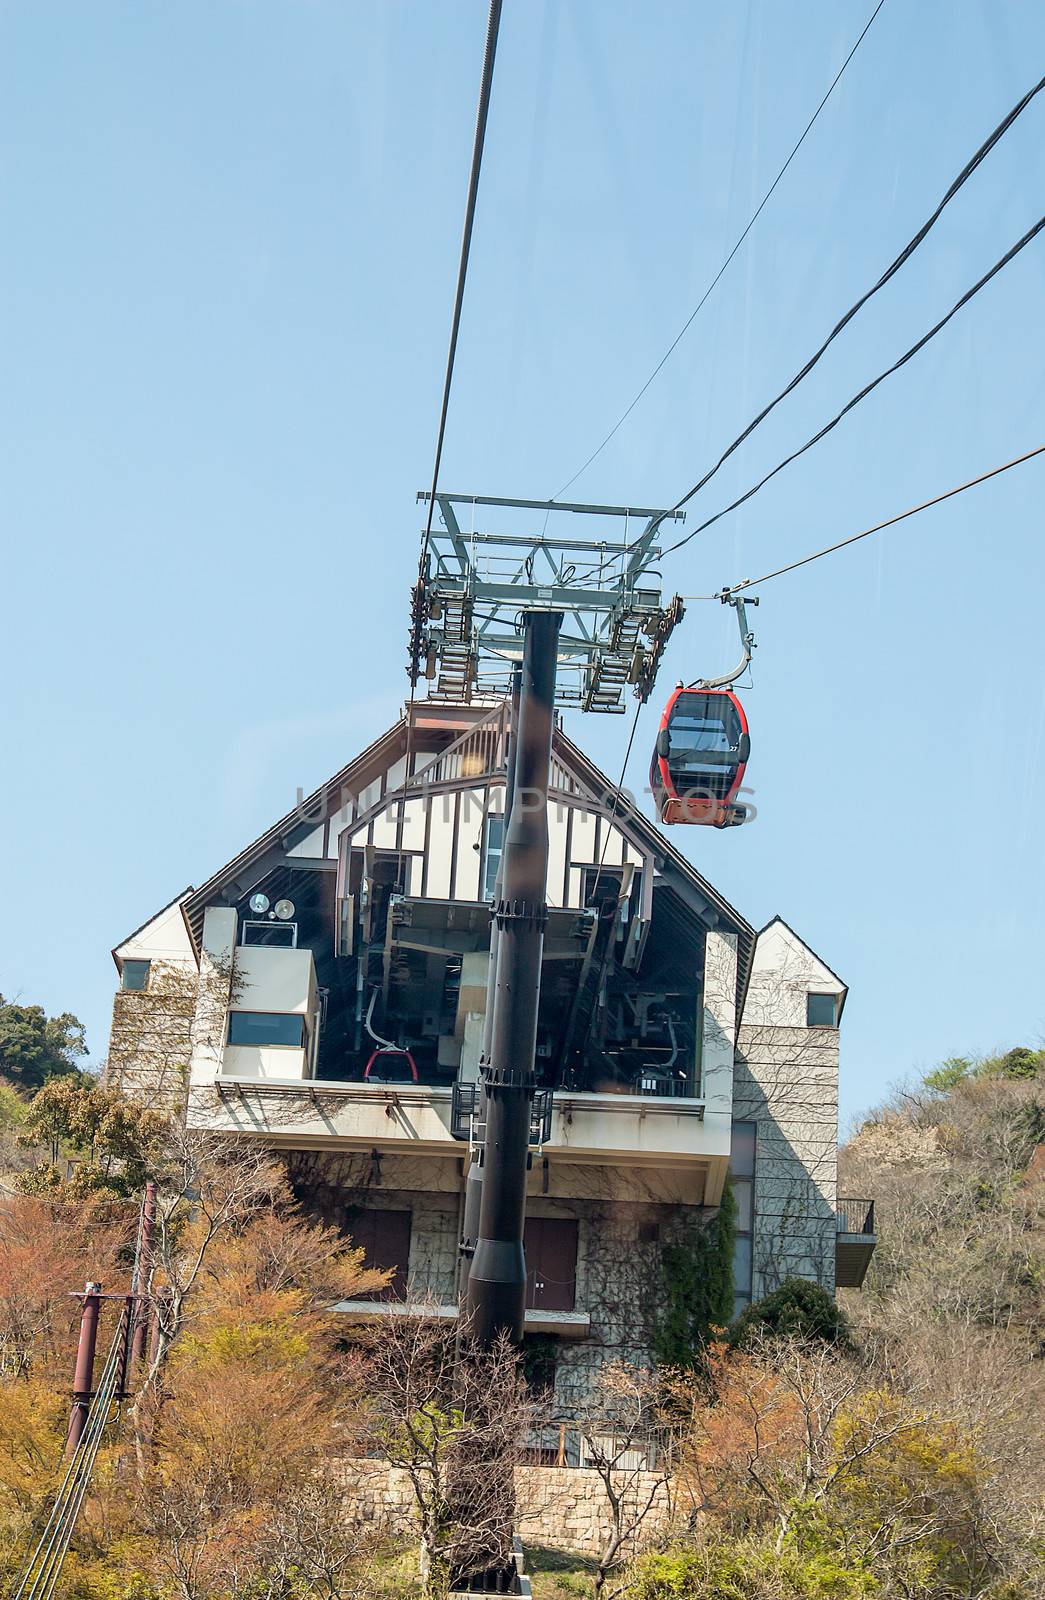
(747, 641)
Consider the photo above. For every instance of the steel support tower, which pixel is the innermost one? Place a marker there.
(552, 621)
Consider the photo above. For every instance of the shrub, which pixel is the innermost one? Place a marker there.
(797, 1310)
(1021, 1063)
(747, 1570)
(698, 1288)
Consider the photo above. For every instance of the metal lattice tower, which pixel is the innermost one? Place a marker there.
(475, 584)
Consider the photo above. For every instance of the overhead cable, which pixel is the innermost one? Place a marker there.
(912, 511)
(868, 388)
(478, 142)
(673, 346)
(905, 254)
(43, 1568)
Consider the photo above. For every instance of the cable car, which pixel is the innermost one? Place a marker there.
(699, 759)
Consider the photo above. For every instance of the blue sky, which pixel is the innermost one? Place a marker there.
(230, 234)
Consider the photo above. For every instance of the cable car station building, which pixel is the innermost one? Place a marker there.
(332, 982)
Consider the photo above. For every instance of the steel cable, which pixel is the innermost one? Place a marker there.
(42, 1570)
(853, 538)
(894, 266)
(868, 388)
(673, 346)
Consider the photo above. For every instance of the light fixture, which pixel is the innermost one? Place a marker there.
(284, 909)
(259, 903)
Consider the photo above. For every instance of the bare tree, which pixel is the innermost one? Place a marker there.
(453, 1418)
(208, 1186)
(624, 1435)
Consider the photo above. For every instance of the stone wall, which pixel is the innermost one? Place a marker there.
(786, 1081)
(559, 1508)
(619, 1244)
(150, 1046)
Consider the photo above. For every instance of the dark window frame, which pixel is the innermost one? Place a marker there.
(742, 1296)
(491, 853)
(821, 994)
(129, 969)
(266, 926)
(269, 1044)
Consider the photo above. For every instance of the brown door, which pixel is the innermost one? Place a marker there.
(384, 1238)
(551, 1263)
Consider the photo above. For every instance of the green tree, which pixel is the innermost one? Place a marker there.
(35, 1047)
(117, 1143)
(698, 1287)
(942, 1079)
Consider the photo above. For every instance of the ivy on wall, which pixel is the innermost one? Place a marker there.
(697, 1286)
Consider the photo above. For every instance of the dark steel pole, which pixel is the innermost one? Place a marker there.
(83, 1378)
(473, 1187)
(496, 1297)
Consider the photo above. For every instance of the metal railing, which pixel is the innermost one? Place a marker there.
(466, 1121)
(855, 1216)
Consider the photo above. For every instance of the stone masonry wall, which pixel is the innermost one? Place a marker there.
(559, 1508)
(786, 1081)
(150, 1046)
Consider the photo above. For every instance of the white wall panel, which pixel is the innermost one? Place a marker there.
(440, 847)
(469, 844)
(583, 847)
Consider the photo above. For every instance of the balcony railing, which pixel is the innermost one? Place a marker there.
(855, 1216)
(466, 1121)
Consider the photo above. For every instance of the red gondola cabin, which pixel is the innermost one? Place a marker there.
(701, 753)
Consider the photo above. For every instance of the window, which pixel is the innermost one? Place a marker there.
(282, 934)
(135, 975)
(742, 1176)
(493, 847)
(821, 1010)
(266, 1028)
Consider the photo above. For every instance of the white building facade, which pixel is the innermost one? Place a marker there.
(325, 993)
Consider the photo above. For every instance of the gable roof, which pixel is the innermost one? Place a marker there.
(386, 749)
(143, 925)
(815, 954)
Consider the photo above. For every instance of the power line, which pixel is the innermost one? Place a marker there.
(868, 388)
(482, 113)
(493, 23)
(43, 1568)
(901, 516)
(673, 346)
(908, 250)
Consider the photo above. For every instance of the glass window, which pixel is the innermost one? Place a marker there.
(742, 1266)
(742, 1149)
(265, 1028)
(493, 845)
(283, 934)
(821, 1011)
(742, 1195)
(135, 975)
(703, 722)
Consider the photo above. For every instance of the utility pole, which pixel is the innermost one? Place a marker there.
(473, 1189)
(83, 1379)
(495, 1299)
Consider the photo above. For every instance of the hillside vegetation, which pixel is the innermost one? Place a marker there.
(893, 1452)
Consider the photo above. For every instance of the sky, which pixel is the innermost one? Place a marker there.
(229, 242)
